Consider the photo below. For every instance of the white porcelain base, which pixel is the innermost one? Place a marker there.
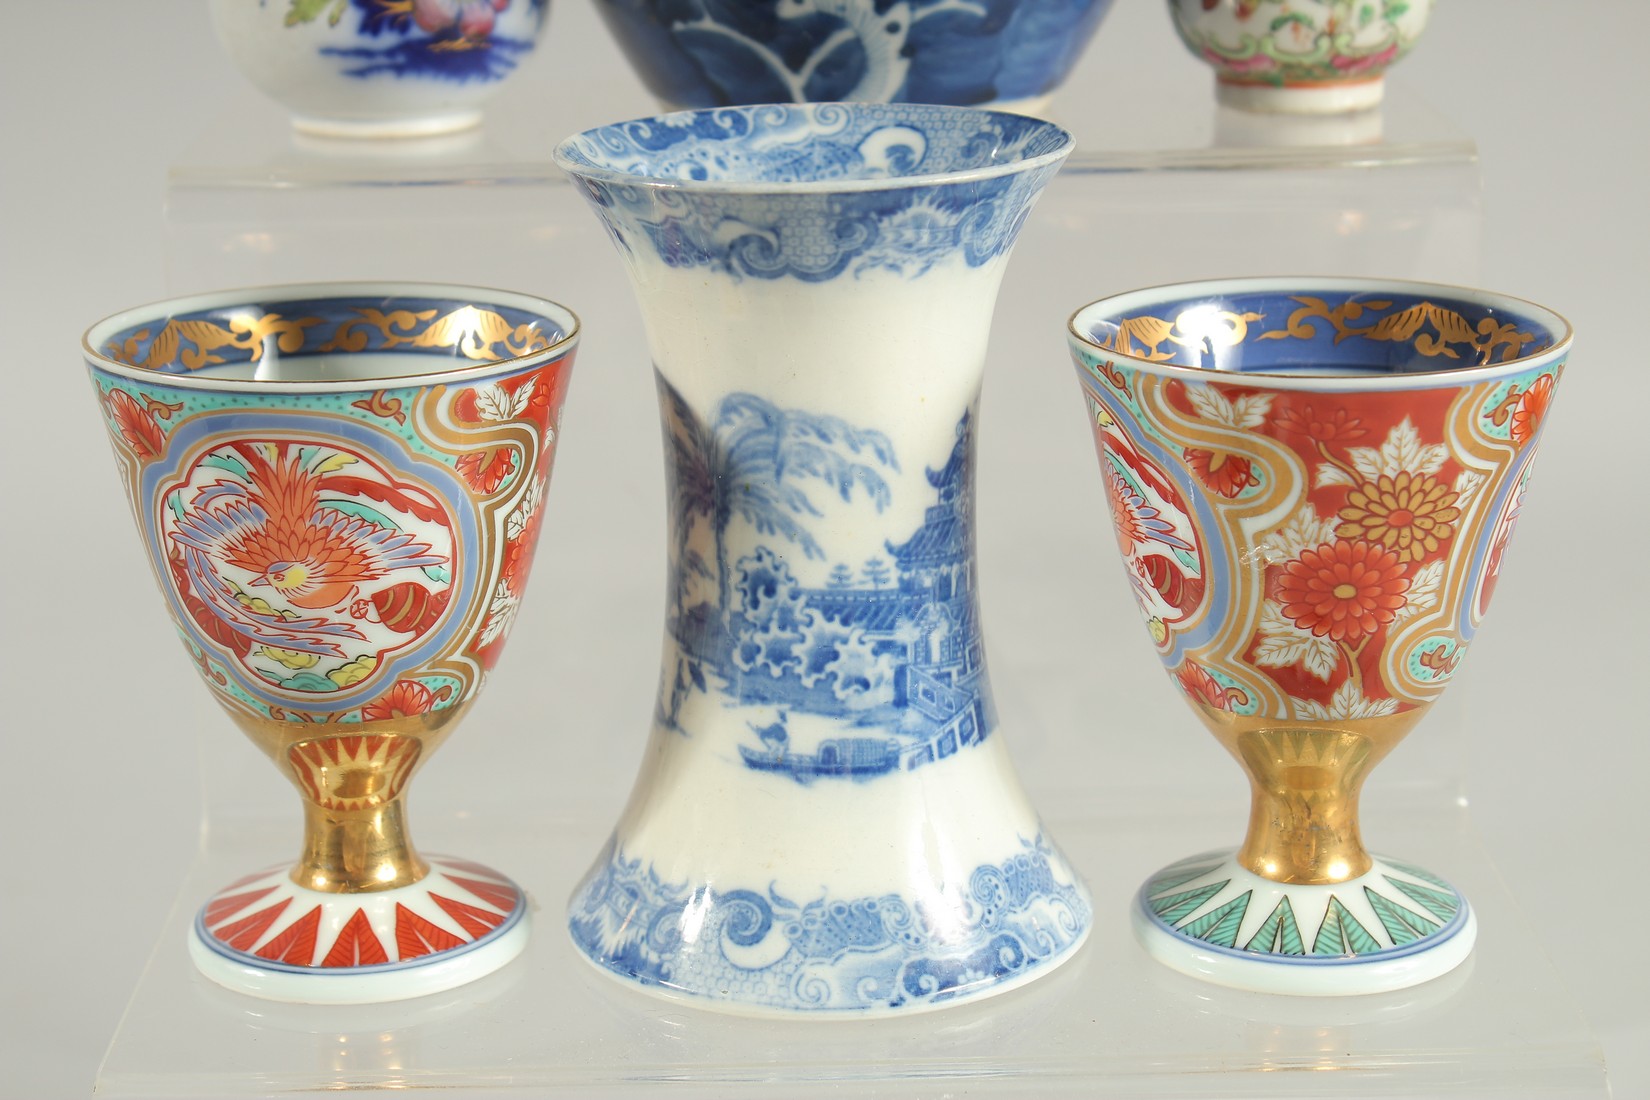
(1392, 927)
(1036, 106)
(378, 128)
(1317, 99)
(1235, 129)
(267, 936)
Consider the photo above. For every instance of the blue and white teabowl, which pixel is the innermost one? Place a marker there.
(705, 53)
(827, 818)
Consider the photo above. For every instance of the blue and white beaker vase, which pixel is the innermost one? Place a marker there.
(827, 820)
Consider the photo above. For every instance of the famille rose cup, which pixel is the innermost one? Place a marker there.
(339, 488)
(1300, 56)
(1313, 483)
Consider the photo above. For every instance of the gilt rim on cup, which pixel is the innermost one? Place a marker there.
(96, 336)
(1079, 330)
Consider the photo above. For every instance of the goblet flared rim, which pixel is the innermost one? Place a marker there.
(565, 321)
(1179, 296)
(569, 160)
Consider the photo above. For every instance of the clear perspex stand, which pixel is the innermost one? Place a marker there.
(1124, 775)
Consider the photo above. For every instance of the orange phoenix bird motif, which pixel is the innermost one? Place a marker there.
(304, 550)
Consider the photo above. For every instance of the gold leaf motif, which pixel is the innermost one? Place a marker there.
(474, 332)
(1300, 327)
(164, 349)
(477, 334)
(1149, 331)
(194, 343)
(1452, 327)
(1397, 326)
(350, 336)
(1198, 329)
(346, 338)
(126, 352)
(527, 338)
(207, 338)
(161, 410)
(1506, 336)
(1449, 329)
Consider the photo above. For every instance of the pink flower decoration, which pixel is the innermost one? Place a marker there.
(1259, 63)
(473, 18)
(1369, 63)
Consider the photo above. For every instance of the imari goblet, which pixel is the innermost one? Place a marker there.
(1313, 482)
(339, 488)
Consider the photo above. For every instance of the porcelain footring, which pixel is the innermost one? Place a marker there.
(1390, 928)
(1319, 99)
(427, 126)
(267, 936)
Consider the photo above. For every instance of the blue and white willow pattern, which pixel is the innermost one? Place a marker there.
(817, 191)
(825, 820)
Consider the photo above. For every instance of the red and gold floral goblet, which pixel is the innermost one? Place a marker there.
(339, 488)
(1313, 482)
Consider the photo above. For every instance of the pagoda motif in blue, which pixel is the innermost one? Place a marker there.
(887, 649)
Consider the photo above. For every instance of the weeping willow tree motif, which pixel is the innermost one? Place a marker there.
(756, 463)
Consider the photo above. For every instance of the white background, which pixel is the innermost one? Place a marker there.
(102, 791)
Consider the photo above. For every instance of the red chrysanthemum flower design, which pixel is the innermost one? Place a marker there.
(1531, 408)
(1201, 687)
(1330, 427)
(1220, 472)
(407, 697)
(137, 424)
(486, 470)
(1343, 590)
(517, 553)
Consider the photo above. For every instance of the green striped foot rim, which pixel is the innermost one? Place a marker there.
(1390, 928)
